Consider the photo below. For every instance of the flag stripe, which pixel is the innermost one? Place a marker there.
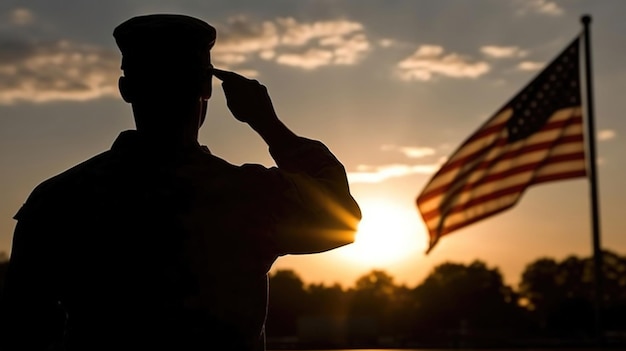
(503, 140)
(458, 220)
(531, 158)
(484, 215)
(471, 153)
(471, 193)
(427, 207)
(540, 150)
(473, 145)
(435, 204)
(573, 140)
(559, 119)
(492, 195)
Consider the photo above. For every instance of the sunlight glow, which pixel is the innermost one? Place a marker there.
(388, 233)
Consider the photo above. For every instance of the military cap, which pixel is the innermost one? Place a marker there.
(163, 39)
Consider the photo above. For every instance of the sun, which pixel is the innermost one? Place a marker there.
(387, 233)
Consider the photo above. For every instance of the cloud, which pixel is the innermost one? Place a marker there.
(21, 17)
(347, 51)
(306, 45)
(429, 61)
(298, 34)
(543, 7)
(428, 51)
(310, 59)
(377, 174)
(63, 70)
(503, 51)
(410, 151)
(267, 54)
(242, 36)
(606, 134)
(60, 70)
(530, 65)
(386, 42)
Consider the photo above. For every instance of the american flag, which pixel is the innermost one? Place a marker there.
(536, 137)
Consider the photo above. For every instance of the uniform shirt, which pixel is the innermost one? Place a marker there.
(138, 249)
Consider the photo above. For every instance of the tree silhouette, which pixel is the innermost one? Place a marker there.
(373, 295)
(4, 265)
(460, 300)
(614, 285)
(561, 294)
(370, 307)
(287, 302)
(326, 300)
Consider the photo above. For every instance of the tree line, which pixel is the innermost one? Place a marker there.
(457, 305)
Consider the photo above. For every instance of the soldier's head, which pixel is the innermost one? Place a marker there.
(166, 60)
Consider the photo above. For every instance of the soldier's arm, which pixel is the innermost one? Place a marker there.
(315, 209)
(29, 312)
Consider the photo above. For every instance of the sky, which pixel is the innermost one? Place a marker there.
(391, 87)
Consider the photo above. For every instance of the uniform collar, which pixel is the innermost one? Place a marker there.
(131, 141)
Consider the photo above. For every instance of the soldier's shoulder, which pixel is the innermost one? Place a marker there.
(227, 168)
(70, 178)
(51, 192)
(246, 177)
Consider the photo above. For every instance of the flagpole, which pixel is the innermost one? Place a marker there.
(593, 180)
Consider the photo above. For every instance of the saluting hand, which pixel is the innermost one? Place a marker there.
(247, 99)
(249, 102)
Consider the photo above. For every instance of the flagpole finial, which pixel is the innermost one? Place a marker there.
(585, 19)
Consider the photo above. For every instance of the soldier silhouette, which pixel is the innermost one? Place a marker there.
(157, 243)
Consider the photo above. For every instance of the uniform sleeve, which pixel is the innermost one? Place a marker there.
(313, 208)
(29, 315)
